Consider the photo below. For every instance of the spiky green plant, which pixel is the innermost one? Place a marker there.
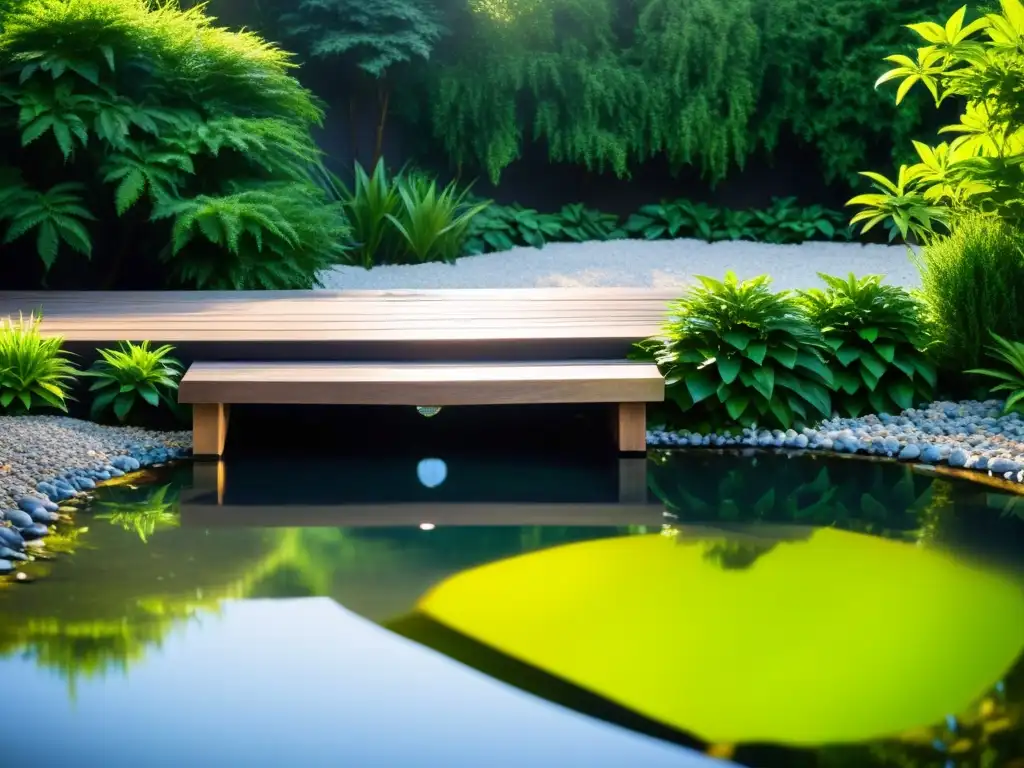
(57, 216)
(876, 340)
(1010, 354)
(133, 372)
(432, 222)
(367, 206)
(34, 370)
(738, 353)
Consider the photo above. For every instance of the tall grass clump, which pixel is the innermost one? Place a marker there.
(34, 369)
(973, 284)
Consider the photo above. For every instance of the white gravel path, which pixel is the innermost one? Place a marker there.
(637, 263)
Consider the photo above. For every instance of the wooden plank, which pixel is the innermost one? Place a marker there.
(421, 384)
(490, 315)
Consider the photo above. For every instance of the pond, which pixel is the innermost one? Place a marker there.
(764, 609)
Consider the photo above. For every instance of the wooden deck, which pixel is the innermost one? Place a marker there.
(550, 323)
(546, 345)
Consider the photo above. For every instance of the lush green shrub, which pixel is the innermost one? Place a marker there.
(1011, 354)
(406, 218)
(782, 222)
(978, 64)
(609, 84)
(148, 133)
(503, 227)
(972, 282)
(130, 373)
(876, 341)
(34, 370)
(740, 353)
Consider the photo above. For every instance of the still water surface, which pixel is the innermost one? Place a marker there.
(786, 612)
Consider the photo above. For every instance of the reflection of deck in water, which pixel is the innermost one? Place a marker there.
(219, 497)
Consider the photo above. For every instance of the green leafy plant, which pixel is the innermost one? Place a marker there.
(56, 216)
(739, 353)
(972, 282)
(503, 227)
(372, 199)
(34, 370)
(433, 223)
(876, 341)
(134, 372)
(786, 222)
(981, 169)
(580, 224)
(154, 116)
(270, 237)
(1011, 354)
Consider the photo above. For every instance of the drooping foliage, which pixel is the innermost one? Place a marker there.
(609, 84)
(148, 134)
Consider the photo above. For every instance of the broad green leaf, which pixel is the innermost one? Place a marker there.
(885, 351)
(764, 378)
(848, 382)
(738, 338)
(784, 355)
(847, 355)
(902, 393)
(756, 351)
(873, 364)
(728, 368)
(700, 386)
(868, 334)
(736, 405)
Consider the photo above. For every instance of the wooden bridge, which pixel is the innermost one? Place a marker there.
(409, 348)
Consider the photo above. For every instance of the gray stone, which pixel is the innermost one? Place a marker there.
(800, 441)
(11, 538)
(9, 554)
(34, 531)
(891, 445)
(18, 519)
(1001, 466)
(958, 458)
(6, 566)
(931, 454)
(910, 453)
(981, 463)
(42, 516)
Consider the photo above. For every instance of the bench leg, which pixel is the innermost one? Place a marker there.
(633, 481)
(632, 427)
(209, 428)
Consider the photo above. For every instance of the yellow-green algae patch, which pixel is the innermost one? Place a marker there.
(837, 637)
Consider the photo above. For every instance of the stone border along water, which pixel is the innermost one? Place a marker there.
(969, 435)
(49, 460)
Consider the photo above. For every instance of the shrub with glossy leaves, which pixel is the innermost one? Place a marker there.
(130, 373)
(739, 353)
(876, 341)
(34, 370)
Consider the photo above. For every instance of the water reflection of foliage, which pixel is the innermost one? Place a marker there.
(144, 513)
(875, 498)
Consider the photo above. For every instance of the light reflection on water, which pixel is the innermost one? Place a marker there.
(731, 636)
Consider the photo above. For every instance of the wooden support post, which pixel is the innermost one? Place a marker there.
(209, 477)
(632, 427)
(633, 481)
(209, 428)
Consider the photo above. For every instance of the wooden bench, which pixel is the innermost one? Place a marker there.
(212, 387)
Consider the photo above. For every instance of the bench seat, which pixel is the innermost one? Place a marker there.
(212, 387)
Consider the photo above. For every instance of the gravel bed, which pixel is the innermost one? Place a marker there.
(46, 460)
(639, 264)
(968, 435)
